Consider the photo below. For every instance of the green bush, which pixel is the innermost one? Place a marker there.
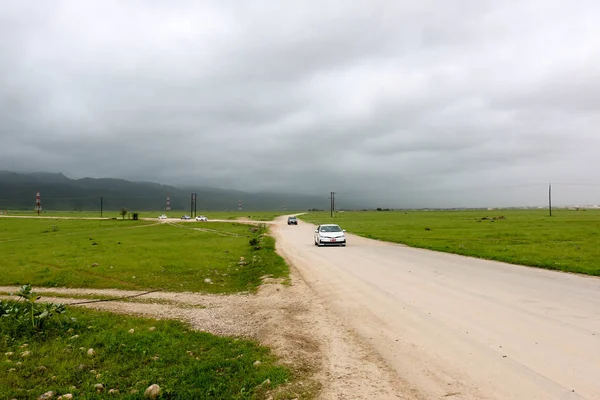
(27, 314)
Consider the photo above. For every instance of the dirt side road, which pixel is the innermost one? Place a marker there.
(456, 327)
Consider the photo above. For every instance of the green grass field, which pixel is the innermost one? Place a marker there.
(184, 363)
(567, 241)
(126, 254)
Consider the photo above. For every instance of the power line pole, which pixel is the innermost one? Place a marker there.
(332, 203)
(101, 205)
(192, 204)
(550, 198)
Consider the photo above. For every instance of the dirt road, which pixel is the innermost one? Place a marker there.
(456, 327)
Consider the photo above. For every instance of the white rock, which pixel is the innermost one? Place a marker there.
(152, 392)
(46, 396)
(257, 363)
(91, 352)
(131, 330)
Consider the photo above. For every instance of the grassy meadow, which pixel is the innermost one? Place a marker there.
(184, 363)
(567, 241)
(135, 255)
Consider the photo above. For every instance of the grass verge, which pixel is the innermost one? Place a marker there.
(568, 241)
(184, 363)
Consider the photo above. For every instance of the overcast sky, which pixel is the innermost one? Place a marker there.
(428, 103)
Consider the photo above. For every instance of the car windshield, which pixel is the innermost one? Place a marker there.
(331, 228)
(292, 218)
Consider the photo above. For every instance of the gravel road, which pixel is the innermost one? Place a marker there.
(457, 327)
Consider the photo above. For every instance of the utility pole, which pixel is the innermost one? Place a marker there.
(195, 204)
(192, 204)
(101, 205)
(550, 198)
(332, 205)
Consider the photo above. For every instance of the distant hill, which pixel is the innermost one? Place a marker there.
(58, 192)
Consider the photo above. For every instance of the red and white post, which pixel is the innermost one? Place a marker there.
(168, 208)
(38, 203)
(240, 205)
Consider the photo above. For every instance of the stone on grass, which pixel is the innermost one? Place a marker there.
(47, 395)
(25, 354)
(74, 337)
(133, 391)
(67, 396)
(91, 352)
(257, 363)
(131, 330)
(152, 392)
(23, 345)
(208, 280)
(152, 328)
(113, 391)
(99, 387)
(9, 354)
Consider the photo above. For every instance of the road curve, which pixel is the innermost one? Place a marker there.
(457, 327)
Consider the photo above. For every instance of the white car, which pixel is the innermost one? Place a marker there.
(201, 218)
(162, 216)
(330, 234)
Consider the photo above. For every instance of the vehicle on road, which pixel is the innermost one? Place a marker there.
(201, 218)
(186, 217)
(162, 216)
(292, 221)
(330, 235)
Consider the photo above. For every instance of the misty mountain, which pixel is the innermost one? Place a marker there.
(58, 192)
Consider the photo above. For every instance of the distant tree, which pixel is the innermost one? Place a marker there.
(123, 212)
(378, 208)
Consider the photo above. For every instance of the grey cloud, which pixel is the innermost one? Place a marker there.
(404, 103)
